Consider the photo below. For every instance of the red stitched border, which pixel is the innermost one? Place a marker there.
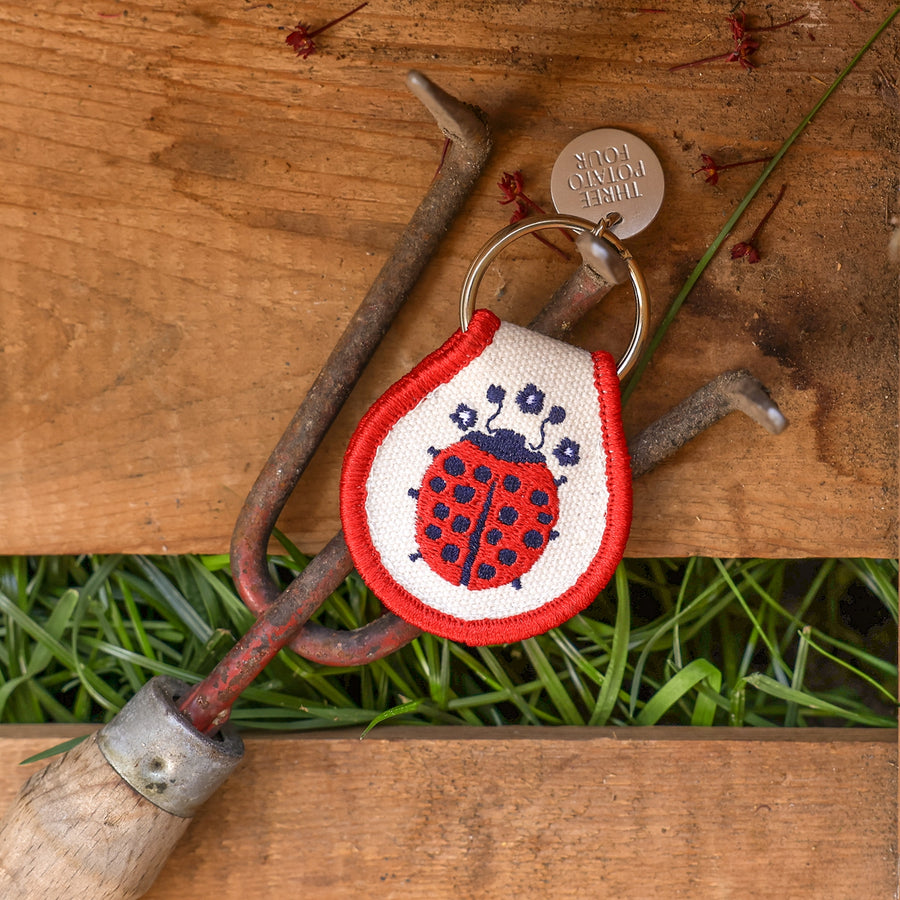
(439, 368)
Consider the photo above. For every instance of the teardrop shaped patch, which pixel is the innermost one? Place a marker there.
(486, 496)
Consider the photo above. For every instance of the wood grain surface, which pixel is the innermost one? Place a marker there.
(190, 213)
(537, 813)
(79, 830)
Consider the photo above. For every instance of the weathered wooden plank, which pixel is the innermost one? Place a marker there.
(190, 213)
(441, 812)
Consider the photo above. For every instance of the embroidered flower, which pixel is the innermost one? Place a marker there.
(567, 452)
(464, 418)
(530, 399)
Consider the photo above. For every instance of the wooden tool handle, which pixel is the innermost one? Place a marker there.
(77, 829)
(84, 826)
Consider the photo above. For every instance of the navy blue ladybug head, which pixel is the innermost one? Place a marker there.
(530, 401)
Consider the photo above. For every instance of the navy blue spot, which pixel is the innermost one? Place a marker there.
(461, 524)
(517, 583)
(486, 572)
(413, 493)
(482, 474)
(544, 518)
(450, 553)
(434, 451)
(453, 465)
(437, 484)
(463, 493)
(511, 483)
(508, 515)
(494, 536)
(414, 556)
(539, 498)
(433, 532)
(554, 535)
(507, 557)
(532, 539)
(441, 511)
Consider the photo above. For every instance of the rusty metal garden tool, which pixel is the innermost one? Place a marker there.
(100, 821)
(283, 615)
(281, 622)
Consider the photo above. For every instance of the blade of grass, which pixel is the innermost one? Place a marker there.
(103, 569)
(757, 627)
(790, 716)
(64, 747)
(879, 664)
(891, 698)
(504, 682)
(808, 598)
(673, 624)
(615, 671)
(55, 627)
(737, 705)
(676, 687)
(815, 704)
(105, 695)
(552, 684)
(878, 581)
(392, 713)
(175, 600)
(135, 618)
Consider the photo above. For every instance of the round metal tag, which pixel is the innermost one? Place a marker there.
(609, 170)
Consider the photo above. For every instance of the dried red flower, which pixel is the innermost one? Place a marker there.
(744, 44)
(787, 24)
(749, 248)
(712, 168)
(512, 185)
(745, 248)
(448, 143)
(301, 38)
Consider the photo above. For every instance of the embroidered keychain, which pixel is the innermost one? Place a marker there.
(486, 496)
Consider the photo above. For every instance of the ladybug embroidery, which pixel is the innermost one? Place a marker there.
(487, 505)
(486, 496)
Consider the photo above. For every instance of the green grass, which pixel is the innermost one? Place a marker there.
(699, 641)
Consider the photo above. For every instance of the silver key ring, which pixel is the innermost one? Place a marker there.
(580, 226)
